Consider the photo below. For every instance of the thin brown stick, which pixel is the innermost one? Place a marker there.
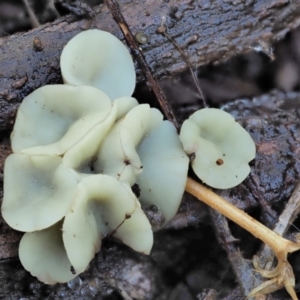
(162, 29)
(114, 8)
(283, 273)
(33, 19)
(269, 237)
(287, 217)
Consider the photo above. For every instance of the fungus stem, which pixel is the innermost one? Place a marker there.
(282, 274)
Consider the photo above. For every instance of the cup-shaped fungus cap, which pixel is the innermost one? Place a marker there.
(54, 118)
(43, 254)
(220, 149)
(81, 156)
(117, 155)
(165, 166)
(101, 206)
(142, 148)
(37, 191)
(97, 58)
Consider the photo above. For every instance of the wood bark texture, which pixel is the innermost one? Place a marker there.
(208, 31)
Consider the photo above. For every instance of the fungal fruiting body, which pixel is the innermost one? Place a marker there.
(97, 58)
(79, 152)
(220, 149)
(70, 244)
(88, 159)
(63, 118)
(144, 149)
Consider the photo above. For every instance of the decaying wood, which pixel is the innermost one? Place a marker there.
(208, 31)
(268, 146)
(246, 276)
(165, 106)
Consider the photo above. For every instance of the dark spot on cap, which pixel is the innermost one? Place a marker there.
(72, 270)
(136, 190)
(127, 216)
(219, 161)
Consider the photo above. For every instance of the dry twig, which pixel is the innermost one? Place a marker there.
(114, 8)
(282, 274)
(207, 34)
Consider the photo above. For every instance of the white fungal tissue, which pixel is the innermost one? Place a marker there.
(79, 148)
(220, 149)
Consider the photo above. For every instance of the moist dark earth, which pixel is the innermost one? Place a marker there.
(188, 260)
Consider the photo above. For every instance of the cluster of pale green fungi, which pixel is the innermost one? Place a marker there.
(80, 147)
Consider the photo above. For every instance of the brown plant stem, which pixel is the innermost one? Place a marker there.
(272, 239)
(114, 8)
(163, 30)
(283, 273)
(33, 19)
